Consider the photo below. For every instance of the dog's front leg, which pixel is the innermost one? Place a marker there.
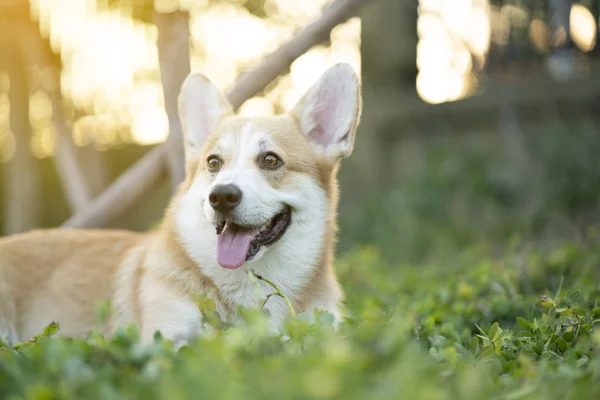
(168, 311)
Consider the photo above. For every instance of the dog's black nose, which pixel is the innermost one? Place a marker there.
(225, 198)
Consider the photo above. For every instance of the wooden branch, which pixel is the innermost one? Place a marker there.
(145, 173)
(94, 166)
(273, 65)
(174, 59)
(125, 192)
(75, 186)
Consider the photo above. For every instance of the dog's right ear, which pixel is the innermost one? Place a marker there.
(201, 107)
(330, 110)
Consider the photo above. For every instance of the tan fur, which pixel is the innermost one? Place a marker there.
(61, 275)
(58, 275)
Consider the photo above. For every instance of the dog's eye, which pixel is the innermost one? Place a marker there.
(213, 163)
(271, 161)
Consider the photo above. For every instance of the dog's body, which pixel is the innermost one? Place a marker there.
(260, 195)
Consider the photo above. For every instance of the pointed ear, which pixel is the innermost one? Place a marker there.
(329, 112)
(201, 107)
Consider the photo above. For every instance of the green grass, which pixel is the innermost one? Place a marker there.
(521, 327)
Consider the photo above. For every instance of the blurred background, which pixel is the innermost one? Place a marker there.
(480, 124)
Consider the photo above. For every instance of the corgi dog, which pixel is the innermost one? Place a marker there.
(260, 195)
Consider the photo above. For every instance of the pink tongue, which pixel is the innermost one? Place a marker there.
(232, 246)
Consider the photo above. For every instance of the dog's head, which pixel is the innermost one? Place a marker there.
(263, 188)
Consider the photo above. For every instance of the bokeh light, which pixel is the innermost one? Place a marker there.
(111, 70)
(452, 34)
(583, 28)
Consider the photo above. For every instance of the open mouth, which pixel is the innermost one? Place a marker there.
(237, 244)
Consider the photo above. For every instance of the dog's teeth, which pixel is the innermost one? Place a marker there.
(263, 228)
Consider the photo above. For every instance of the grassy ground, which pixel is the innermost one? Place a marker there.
(517, 327)
(454, 291)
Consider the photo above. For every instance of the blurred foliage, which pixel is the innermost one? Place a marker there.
(463, 192)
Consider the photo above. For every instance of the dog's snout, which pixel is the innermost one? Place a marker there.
(225, 198)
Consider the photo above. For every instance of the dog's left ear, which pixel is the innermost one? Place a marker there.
(201, 106)
(330, 110)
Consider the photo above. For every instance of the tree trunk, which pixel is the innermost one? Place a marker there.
(389, 43)
(22, 203)
(561, 63)
(174, 59)
(560, 27)
(595, 9)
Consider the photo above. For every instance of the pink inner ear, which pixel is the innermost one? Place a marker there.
(322, 134)
(328, 115)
